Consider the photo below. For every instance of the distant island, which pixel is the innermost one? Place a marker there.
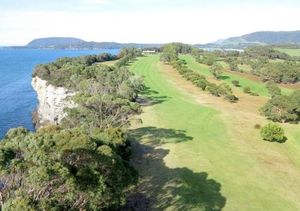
(75, 43)
(257, 38)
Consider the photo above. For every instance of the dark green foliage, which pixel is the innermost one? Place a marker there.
(208, 59)
(179, 48)
(247, 90)
(56, 169)
(126, 55)
(273, 89)
(216, 69)
(265, 52)
(273, 132)
(67, 72)
(83, 164)
(170, 51)
(233, 64)
(286, 72)
(283, 108)
(169, 54)
(236, 83)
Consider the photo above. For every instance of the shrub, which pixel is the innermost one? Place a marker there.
(273, 132)
(236, 83)
(257, 126)
(213, 89)
(247, 90)
(283, 108)
(253, 94)
(231, 98)
(216, 70)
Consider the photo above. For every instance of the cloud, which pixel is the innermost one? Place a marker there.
(95, 2)
(190, 25)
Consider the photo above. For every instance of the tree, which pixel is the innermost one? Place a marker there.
(216, 69)
(283, 108)
(169, 54)
(273, 89)
(233, 65)
(273, 132)
(57, 169)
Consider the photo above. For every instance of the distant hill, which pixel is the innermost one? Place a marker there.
(52, 42)
(257, 38)
(75, 43)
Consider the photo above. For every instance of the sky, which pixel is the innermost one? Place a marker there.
(143, 21)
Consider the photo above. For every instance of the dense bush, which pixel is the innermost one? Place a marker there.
(283, 108)
(283, 72)
(56, 169)
(84, 163)
(266, 52)
(273, 89)
(67, 72)
(273, 132)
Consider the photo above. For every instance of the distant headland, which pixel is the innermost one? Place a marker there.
(239, 42)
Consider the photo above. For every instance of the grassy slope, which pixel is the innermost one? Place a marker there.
(255, 86)
(192, 156)
(291, 52)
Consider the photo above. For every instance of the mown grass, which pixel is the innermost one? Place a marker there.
(291, 52)
(255, 86)
(196, 157)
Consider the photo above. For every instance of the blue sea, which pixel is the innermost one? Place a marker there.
(17, 98)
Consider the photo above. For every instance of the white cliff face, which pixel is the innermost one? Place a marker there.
(52, 102)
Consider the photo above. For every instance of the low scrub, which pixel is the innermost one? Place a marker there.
(273, 133)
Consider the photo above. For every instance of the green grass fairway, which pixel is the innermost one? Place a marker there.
(256, 86)
(193, 155)
(291, 52)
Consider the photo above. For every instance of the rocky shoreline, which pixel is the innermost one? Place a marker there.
(51, 102)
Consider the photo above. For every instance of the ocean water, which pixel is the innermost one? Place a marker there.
(17, 97)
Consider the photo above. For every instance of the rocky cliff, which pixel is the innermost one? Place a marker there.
(52, 102)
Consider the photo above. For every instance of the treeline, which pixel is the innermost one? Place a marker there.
(265, 61)
(267, 52)
(81, 164)
(281, 72)
(170, 54)
(67, 72)
(127, 55)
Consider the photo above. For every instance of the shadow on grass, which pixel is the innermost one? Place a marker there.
(223, 77)
(161, 187)
(151, 97)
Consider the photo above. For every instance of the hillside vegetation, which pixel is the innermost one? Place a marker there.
(82, 164)
(258, 38)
